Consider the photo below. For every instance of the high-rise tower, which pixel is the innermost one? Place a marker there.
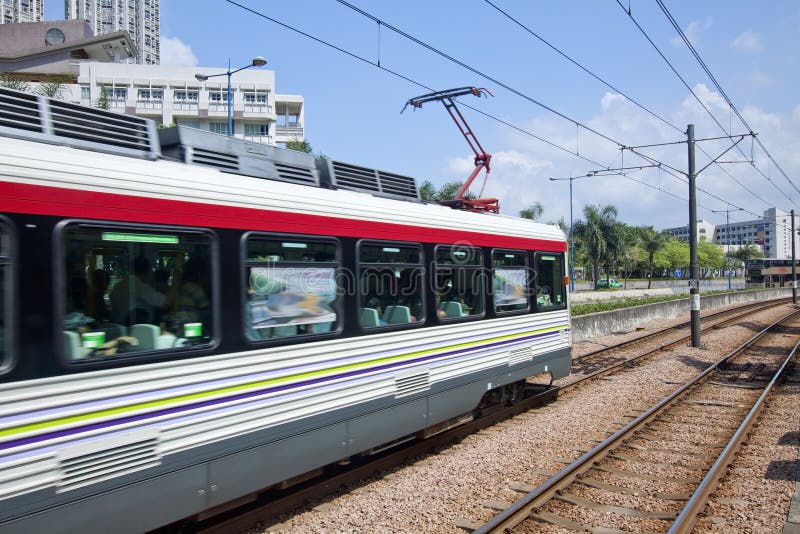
(139, 17)
(13, 11)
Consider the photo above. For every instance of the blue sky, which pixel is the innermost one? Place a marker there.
(353, 109)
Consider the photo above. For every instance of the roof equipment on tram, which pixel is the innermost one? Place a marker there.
(482, 158)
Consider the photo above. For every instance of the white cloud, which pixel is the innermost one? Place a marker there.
(609, 99)
(176, 52)
(748, 41)
(693, 32)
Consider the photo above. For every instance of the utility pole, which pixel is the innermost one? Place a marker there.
(694, 263)
(794, 264)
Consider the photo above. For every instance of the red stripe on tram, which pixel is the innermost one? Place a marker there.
(64, 202)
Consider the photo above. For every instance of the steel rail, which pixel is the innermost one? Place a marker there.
(523, 508)
(697, 502)
(627, 361)
(748, 306)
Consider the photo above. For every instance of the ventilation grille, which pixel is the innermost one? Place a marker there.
(294, 173)
(524, 354)
(48, 120)
(380, 183)
(410, 384)
(99, 126)
(19, 111)
(396, 184)
(211, 158)
(107, 463)
(227, 154)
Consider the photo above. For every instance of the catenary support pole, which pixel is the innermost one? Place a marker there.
(794, 263)
(694, 264)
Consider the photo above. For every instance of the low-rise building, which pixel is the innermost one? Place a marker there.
(705, 230)
(772, 233)
(172, 95)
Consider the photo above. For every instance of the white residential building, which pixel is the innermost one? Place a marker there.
(172, 95)
(140, 18)
(14, 11)
(772, 233)
(705, 230)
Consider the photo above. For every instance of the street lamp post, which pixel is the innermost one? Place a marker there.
(571, 239)
(258, 61)
(728, 237)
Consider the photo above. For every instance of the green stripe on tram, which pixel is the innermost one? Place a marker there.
(202, 395)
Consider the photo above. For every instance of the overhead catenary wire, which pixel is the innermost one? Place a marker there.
(521, 130)
(419, 84)
(716, 83)
(699, 100)
(507, 87)
(614, 88)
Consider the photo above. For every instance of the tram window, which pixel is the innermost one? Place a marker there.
(133, 290)
(549, 279)
(459, 282)
(291, 287)
(509, 281)
(6, 286)
(390, 280)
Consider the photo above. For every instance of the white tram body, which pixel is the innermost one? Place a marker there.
(132, 424)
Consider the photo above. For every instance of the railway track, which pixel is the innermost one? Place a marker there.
(657, 472)
(602, 361)
(272, 503)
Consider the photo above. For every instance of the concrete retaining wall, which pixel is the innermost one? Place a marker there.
(604, 323)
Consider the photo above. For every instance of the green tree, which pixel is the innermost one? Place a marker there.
(532, 212)
(748, 251)
(54, 87)
(104, 102)
(673, 255)
(448, 191)
(651, 241)
(595, 232)
(710, 256)
(12, 81)
(427, 191)
(300, 146)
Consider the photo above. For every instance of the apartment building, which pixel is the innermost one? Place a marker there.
(140, 18)
(772, 233)
(172, 95)
(14, 11)
(705, 230)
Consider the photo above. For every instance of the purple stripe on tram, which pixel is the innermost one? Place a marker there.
(251, 394)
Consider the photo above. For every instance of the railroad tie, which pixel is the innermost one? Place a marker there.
(621, 510)
(467, 524)
(521, 487)
(628, 458)
(596, 484)
(557, 520)
(496, 505)
(643, 476)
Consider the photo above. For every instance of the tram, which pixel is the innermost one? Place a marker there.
(187, 319)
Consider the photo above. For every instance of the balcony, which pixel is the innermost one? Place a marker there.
(149, 106)
(186, 106)
(263, 139)
(291, 130)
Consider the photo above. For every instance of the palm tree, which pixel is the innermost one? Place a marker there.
(448, 191)
(595, 233)
(651, 241)
(532, 212)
